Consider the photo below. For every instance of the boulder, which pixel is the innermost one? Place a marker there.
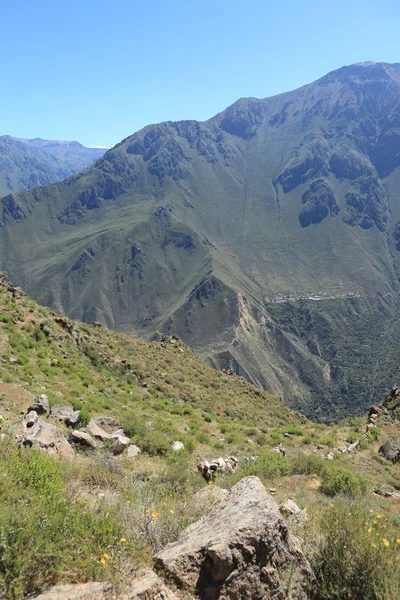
(148, 587)
(97, 432)
(241, 549)
(288, 508)
(33, 431)
(40, 405)
(107, 424)
(82, 439)
(60, 413)
(217, 465)
(73, 418)
(390, 450)
(210, 495)
(121, 443)
(177, 446)
(133, 451)
(78, 591)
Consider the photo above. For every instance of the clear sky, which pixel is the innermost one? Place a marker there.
(97, 71)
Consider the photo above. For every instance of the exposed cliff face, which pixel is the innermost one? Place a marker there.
(266, 237)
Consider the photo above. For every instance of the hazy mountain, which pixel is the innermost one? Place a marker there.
(25, 164)
(267, 238)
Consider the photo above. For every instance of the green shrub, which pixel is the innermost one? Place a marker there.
(33, 470)
(155, 442)
(340, 480)
(307, 464)
(354, 554)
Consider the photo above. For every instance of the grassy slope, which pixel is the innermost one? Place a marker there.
(94, 502)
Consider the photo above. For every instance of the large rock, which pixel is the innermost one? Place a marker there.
(390, 450)
(104, 428)
(241, 549)
(107, 424)
(33, 431)
(121, 443)
(147, 586)
(40, 405)
(82, 439)
(78, 591)
(60, 413)
(133, 451)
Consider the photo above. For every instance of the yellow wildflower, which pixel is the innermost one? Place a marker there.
(210, 483)
(370, 510)
(373, 545)
(154, 513)
(171, 511)
(122, 540)
(103, 561)
(386, 542)
(332, 505)
(379, 516)
(398, 541)
(147, 511)
(305, 508)
(106, 555)
(369, 530)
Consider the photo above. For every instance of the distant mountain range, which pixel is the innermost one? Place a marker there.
(267, 238)
(25, 163)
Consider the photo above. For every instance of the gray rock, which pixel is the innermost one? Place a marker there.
(149, 587)
(288, 508)
(79, 591)
(242, 550)
(107, 424)
(60, 413)
(34, 432)
(73, 418)
(121, 443)
(177, 446)
(40, 405)
(390, 450)
(82, 439)
(97, 432)
(330, 456)
(133, 451)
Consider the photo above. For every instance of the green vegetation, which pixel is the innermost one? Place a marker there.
(356, 554)
(100, 517)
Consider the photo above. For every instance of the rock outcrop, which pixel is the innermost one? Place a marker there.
(241, 549)
(390, 450)
(32, 431)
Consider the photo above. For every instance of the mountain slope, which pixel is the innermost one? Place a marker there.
(267, 238)
(25, 164)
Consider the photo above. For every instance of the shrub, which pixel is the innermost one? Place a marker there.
(155, 442)
(33, 470)
(354, 554)
(307, 464)
(340, 480)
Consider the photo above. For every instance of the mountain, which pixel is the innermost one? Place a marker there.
(73, 154)
(25, 164)
(266, 238)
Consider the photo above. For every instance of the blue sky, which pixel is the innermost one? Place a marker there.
(98, 71)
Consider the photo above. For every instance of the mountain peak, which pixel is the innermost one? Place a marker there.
(363, 72)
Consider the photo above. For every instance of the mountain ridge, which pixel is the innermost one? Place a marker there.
(25, 163)
(265, 237)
